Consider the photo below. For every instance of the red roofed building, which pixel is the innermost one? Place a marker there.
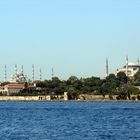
(12, 88)
(2, 90)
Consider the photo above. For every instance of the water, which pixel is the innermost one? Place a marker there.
(69, 121)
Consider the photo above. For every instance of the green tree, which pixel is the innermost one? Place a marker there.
(72, 80)
(137, 77)
(122, 77)
(110, 85)
(72, 93)
(111, 77)
(133, 90)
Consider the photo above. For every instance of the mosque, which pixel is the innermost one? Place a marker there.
(130, 68)
(18, 77)
(17, 82)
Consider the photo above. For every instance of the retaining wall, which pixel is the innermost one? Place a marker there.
(24, 98)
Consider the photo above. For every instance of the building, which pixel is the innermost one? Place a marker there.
(3, 90)
(130, 69)
(18, 77)
(11, 88)
(14, 88)
(16, 83)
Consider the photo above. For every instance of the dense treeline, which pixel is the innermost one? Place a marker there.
(119, 85)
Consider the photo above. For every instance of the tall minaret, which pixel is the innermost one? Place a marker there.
(15, 68)
(52, 73)
(5, 73)
(33, 73)
(138, 61)
(106, 67)
(127, 66)
(40, 74)
(22, 69)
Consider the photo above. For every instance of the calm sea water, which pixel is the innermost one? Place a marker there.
(69, 121)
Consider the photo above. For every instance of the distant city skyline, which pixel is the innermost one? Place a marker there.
(74, 37)
(37, 74)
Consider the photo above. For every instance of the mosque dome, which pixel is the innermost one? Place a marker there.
(18, 77)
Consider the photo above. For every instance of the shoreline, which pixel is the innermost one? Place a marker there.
(75, 101)
(49, 99)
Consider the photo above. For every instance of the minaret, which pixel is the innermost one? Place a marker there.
(40, 74)
(22, 69)
(33, 73)
(15, 68)
(5, 73)
(52, 73)
(127, 66)
(138, 61)
(106, 68)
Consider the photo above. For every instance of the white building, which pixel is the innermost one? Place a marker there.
(130, 69)
(18, 77)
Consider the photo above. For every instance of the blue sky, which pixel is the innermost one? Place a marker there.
(73, 36)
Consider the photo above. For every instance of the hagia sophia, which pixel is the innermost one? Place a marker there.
(130, 68)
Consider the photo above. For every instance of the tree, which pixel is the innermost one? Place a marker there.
(124, 92)
(72, 80)
(133, 90)
(122, 77)
(111, 77)
(110, 85)
(72, 93)
(137, 76)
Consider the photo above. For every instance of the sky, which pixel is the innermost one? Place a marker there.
(73, 36)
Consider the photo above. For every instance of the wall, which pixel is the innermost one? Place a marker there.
(95, 97)
(57, 98)
(24, 98)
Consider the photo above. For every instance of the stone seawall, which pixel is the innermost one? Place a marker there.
(95, 97)
(82, 97)
(24, 98)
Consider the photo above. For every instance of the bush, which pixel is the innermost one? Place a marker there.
(133, 98)
(138, 97)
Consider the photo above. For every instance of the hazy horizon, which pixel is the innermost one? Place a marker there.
(74, 36)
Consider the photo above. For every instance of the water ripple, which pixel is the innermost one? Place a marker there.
(69, 121)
